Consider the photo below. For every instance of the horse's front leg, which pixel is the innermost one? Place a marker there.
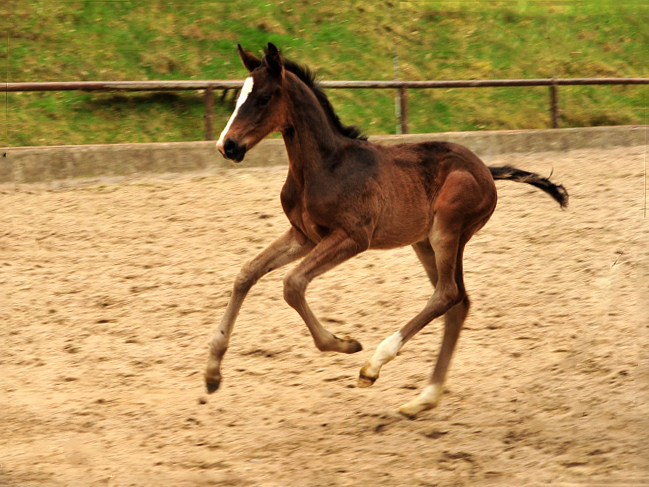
(331, 251)
(287, 248)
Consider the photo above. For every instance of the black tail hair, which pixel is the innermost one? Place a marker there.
(557, 191)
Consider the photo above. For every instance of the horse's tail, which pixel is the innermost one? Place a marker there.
(557, 191)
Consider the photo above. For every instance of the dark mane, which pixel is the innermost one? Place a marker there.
(308, 77)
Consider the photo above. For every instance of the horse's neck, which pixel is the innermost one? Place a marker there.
(310, 138)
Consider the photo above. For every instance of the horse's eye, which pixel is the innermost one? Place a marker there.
(263, 100)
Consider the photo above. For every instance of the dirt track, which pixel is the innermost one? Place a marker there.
(110, 290)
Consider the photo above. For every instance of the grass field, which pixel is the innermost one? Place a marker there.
(52, 40)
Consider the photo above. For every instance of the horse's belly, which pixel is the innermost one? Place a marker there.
(400, 230)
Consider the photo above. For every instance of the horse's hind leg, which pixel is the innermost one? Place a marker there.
(450, 277)
(331, 251)
(446, 274)
(389, 347)
(282, 251)
(426, 255)
(432, 393)
(453, 321)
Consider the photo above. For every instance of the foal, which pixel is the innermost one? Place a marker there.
(344, 195)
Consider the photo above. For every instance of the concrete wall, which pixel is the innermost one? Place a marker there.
(42, 164)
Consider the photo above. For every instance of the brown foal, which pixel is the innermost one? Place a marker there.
(344, 195)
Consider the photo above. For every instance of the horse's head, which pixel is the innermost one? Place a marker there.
(260, 108)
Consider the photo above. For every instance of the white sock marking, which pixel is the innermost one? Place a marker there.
(428, 399)
(245, 91)
(387, 350)
(431, 394)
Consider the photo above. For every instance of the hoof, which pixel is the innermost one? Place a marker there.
(212, 387)
(365, 381)
(212, 383)
(352, 346)
(428, 399)
(405, 411)
(412, 409)
(340, 345)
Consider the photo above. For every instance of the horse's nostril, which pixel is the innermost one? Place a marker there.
(229, 146)
(232, 150)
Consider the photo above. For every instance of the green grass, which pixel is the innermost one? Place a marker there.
(52, 40)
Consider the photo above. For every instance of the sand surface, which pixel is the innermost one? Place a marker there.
(110, 290)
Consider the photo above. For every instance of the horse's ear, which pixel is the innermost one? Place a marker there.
(274, 60)
(250, 61)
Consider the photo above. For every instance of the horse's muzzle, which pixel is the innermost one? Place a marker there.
(233, 151)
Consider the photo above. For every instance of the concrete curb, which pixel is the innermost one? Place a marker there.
(49, 163)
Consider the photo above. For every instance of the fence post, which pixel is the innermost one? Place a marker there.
(554, 105)
(209, 113)
(404, 110)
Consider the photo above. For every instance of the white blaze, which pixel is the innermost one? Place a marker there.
(245, 91)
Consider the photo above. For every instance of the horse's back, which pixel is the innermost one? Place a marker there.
(417, 178)
(445, 155)
(431, 162)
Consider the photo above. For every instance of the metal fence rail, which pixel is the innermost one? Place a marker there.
(210, 85)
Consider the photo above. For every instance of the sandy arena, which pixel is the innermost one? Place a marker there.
(110, 290)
